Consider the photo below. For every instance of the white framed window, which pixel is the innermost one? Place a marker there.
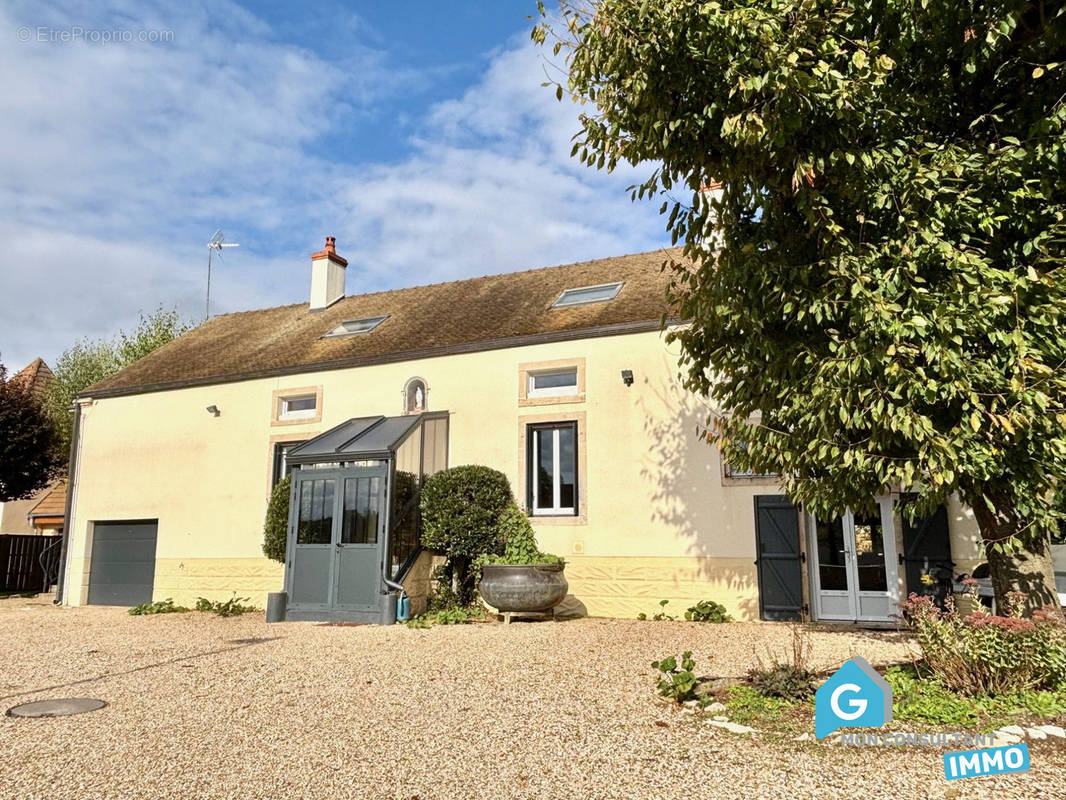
(582, 295)
(551, 473)
(301, 406)
(356, 327)
(552, 383)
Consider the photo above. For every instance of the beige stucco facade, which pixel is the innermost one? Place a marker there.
(658, 520)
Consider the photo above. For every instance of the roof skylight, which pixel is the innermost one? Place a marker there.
(356, 327)
(588, 294)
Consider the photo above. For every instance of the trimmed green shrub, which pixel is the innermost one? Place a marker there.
(276, 526)
(461, 510)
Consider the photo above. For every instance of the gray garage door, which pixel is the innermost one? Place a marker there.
(123, 563)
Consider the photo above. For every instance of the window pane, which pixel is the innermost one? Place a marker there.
(544, 467)
(587, 294)
(282, 467)
(555, 380)
(405, 520)
(832, 567)
(360, 511)
(300, 404)
(870, 553)
(567, 468)
(314, 525)
(435, 452)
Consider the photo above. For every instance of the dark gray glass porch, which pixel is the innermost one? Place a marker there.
(354, 526)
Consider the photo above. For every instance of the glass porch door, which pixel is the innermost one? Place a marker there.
(854, 572)
(337, 523)
(357, 553)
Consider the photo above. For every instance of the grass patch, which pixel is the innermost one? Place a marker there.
(916, 699)
(749, 706)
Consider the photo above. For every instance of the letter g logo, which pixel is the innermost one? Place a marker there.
(857, 706)
(855, 696)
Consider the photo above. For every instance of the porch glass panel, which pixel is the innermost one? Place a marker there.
(870, 552)
(832, 556)
(315, 522)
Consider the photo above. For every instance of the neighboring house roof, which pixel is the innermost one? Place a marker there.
(462, 316)
(51, 507)
(37, 374)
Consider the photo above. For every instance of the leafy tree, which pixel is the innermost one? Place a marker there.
(30, 453)
(882, 303)
(276, 526)
(88, 362)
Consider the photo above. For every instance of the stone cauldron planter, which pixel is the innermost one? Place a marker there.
(523, 588)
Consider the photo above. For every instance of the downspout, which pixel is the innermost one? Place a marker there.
(72, 476)
(386, 561)
(389, 582)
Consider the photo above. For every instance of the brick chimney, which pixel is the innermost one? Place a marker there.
(327, 276)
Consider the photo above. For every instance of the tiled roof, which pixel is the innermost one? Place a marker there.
(52, 504)
(37, 374)
(424, 321)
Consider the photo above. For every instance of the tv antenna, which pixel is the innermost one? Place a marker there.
(218, 241)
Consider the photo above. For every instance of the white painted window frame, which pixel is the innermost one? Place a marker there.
(552, 391)
(555, 510)
(304, 413)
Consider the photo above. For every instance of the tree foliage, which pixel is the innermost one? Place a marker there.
(88, 362)
(30, 452)
(882, 303)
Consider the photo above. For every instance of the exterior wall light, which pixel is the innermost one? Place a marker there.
(627, 377)
(213, 410)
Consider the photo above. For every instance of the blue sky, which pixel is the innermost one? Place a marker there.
(415, 132)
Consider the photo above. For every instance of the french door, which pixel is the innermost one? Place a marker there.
(854, 570)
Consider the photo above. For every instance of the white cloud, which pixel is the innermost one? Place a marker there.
(120, 159)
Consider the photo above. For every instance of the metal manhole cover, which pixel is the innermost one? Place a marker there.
(62, 707)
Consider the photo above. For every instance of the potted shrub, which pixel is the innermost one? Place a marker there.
(522, 578)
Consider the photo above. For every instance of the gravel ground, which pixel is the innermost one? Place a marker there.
(206, 707)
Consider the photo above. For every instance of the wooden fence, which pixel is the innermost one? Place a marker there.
(20, 561)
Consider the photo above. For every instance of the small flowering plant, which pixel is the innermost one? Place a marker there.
(983, 653)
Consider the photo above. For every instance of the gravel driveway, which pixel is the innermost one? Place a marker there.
(206, 707)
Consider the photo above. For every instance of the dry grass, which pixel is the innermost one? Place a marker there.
(209, 707)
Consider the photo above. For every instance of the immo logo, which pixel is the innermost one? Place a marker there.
(855, 697)
(993, 761)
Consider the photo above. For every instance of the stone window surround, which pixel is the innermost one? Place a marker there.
(559, 364)
(297, 391)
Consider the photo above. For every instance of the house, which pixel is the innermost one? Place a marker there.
(16, 515)
(560, 377)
